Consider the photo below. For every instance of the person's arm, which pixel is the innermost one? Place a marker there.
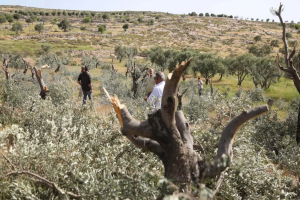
(79, 79)
(91, 88)
(90, 82)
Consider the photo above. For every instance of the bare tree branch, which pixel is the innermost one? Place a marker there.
(44, 88)
(13, 167)
(46, 181)
(168, 105)
(224, 154)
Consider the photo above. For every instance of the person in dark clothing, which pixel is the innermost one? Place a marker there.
(84, 80)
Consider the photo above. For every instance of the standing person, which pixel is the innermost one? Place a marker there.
(150, 84)
(200, 86)
(80, 88)
(85, 81)
(156, 95)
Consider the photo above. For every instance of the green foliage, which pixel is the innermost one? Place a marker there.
(160, 57)
(260, 52)
(9, 18)
(91, 62)
(288, 35)
(16, 27)
(297, 26)
(151, 22)
(64, 25)
(241, 66)
(39, 27)
(123, 51)
(125, 27)
(264, 72)
(207, 15)
(2, 19)
(102, 28)
(105, 16)
(176, 57)
(193, 14)
(29, 20)
(274, 43)
(17, 16)
(201, 14)
(257, 38)
(46, 48)
(83, 28)
(208, 65)
(87, 20)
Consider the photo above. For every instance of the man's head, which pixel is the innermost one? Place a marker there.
(198, 78)
(82, 69)
(159, 77)
(86, 68)
(150, 72)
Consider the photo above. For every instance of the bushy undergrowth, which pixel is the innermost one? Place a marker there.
(87, 155)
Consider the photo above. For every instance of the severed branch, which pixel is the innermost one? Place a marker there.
(44, 88)
(224, 154)
(47, 182)
(129, 125)
(169, 96)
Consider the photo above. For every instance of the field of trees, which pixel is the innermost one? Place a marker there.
(239, 140)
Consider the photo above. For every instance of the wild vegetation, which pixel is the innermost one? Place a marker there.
(53, 148)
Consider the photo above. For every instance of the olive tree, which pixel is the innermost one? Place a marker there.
(240, 66)
(39, 27)
(166, 133)
(125, 27)
(64, 25)
(264, 72)
(208, 65)
(16, 27)
(274, 43)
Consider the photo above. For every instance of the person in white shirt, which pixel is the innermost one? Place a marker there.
(156, 95)
(200, 86)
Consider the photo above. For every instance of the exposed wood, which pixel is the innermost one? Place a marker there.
(166, 133)
(44, 89)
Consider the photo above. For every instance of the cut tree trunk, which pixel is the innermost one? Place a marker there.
(166, 133)
(44, 89)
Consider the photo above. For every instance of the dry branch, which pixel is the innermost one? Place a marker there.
(47, 182)
(44, 88)
(224, 154)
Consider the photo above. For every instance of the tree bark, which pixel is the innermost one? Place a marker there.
(44, 89)
(166, 133)
(289, 69)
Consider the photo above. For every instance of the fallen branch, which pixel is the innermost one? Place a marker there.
(47, 182)
(13, 167)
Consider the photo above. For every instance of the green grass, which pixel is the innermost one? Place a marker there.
(285, 89)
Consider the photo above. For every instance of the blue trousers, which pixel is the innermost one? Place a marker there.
(85, 94)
